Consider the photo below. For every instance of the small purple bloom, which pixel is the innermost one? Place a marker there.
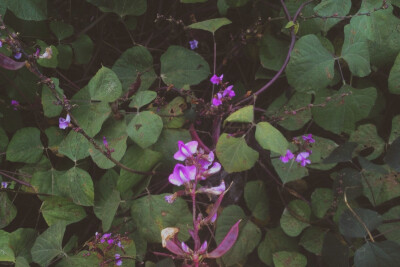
(217, 190)
(15, 104)
(308, 138)
(170, 198)
(193, 44)
(302, 158)
(216, 101)
(214, 217)
(185, 247)
(18, 55)
(105, 142)
(119, 244)
(118, 260)
(206, 160)
(4, 184)
(64, 123)
(182, 174)
(185, 150)
(229, 92)
(110, 241)
(203, 248)
(289, 155)
(216, 80)
(214, 169)
(1, 44)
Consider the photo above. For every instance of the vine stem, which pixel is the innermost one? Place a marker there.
(16, 180)
(196, 137)
(292, 42)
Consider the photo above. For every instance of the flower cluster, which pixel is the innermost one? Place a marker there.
(111, 247)
(193, 44)
(301, 157)
(15, 104)
(226, 94)
(64, 123)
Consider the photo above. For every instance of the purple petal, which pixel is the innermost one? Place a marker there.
(192, 146)
(174, 248)
(191, 171)
(62, 123)
(193, 44)
(284, 159)
(185, 247)
(68, 118)
(9, 63)
(217, 190)
(179, 156)
(118, 262)
(4, 184)
(203, 248)
(214, 169)
(214, 217)
(175, 180)
(170, 199)
(216, 102)
(18, 55)
(226, 244)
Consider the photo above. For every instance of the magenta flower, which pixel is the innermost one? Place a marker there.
(216, 101)
(229, 92)
(110, 241)
(302, 158)
(105, 142)
(18, 55)
(203, 248)
(206, 160)
(104, 237)
(185, 247)
(1, 44)
(193, 44)
(289, 155)
(182, 174)
(4, 184)
(214, 217)
(64, 123)
(308, 138)
(15, 104)
(216, 80)
(185, 150)
(118, 260)
(217, 190)
(170, 198)
(214, 169)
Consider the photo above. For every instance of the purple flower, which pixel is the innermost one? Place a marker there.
(214, 217)
(203, 248)
(302, 158)
(308, 138)
(216, 80)
(18, 55)
(182, 174)
(193, 44)
(1, 44)
(64, 123)
(185, 150)
(289, 155)
(4, 184)
(118, 260)
(104, 237)
(217, 190)
(105, 142)
(110, 241)
(185, 247)
(119, 244)
(206, 160)
(214, 169)
(15, 104)
(170, 198)
(216, 101)
(229, 92)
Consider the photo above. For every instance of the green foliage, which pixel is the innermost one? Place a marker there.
(56, 209)
(256, 198)
(145, 128)
(8, 210)
(270, 138)
(245, 114)
(211, 25)
(292, 259)
(25, 146)
(295, 218)
(105, 86)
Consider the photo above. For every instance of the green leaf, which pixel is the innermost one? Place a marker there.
(139, 160)
(83, 49)
(321, 149)
(222, 7)
(270, 138)
(7, 210)
(48, 245)
(90, 115)
(115, 133)
(245, 114)
(78, 185)
(289, 259)
(350, 180)
(56, 209)
(211, 25)
(21, 241)
(341, 153)
(65, 56)
(55, 136)
(61, 30)
(7, 253)
(29, 9)
(312, 239)
(310, 66)
(334, 251)
(133, 61)
(321, 201)
(366, 136)
(255, 195)
(46, 182)
(121, 7)
(25, 146)
(236, 3)
(234, 154)
(391, 230)
(295, 217)
(193, 1)
(105, 86)
(49, 102)
(355, 51)
(152, 213)
(145, 128)
(391, 158)
(248, 239)
(273, 52)
(395, 131)
(107, 199)
(330, 7)
(172, 114)
(275, 240)
(3, 140)
(75, 146)
(142, 98)
(21, 262)
(350, 225)
(295, 121)
(345, 108)
(394, 77)
(385, 253)
(181, 66)
(82, 259)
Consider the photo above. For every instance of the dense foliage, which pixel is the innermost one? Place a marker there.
(200, 133)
